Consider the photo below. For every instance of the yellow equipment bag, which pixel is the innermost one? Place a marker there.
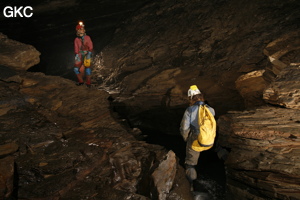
(207, 124)
(87, 62)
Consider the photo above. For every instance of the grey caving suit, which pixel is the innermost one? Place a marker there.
(189, 129)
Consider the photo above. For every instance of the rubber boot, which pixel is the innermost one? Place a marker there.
(191, 174)
(88, 81)
(80, 80)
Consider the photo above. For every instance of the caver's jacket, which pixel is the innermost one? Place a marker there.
(83, 46)
(189, 129)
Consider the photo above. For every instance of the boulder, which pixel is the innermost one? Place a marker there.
(16, 55)
(163, 177)
(251, 87)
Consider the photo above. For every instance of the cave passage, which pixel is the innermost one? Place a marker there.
(55, 42)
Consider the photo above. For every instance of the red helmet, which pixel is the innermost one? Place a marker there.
(79, 26)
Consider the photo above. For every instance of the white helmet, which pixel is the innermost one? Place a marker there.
(193, 91)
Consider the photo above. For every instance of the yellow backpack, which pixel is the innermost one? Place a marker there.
(207, 124)
(87, 62)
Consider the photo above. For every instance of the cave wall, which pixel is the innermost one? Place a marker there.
(167, 46)
(263, 162)
(61, 141)
(243, 55)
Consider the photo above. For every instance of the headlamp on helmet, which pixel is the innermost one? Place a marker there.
(193, 91)
(79, 26)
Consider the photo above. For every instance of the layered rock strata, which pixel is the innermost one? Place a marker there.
(243, 55)
(17, 55)
(264, 142)
(61, 141)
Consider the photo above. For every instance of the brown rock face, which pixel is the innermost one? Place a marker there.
(6, 177)
(283, 72)
(168, 46)
(68, 145)
(264, 160)
(241, 54)
(251, 87)
(16, 55)
(164, 176)
(264, 142)
(285, 90)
